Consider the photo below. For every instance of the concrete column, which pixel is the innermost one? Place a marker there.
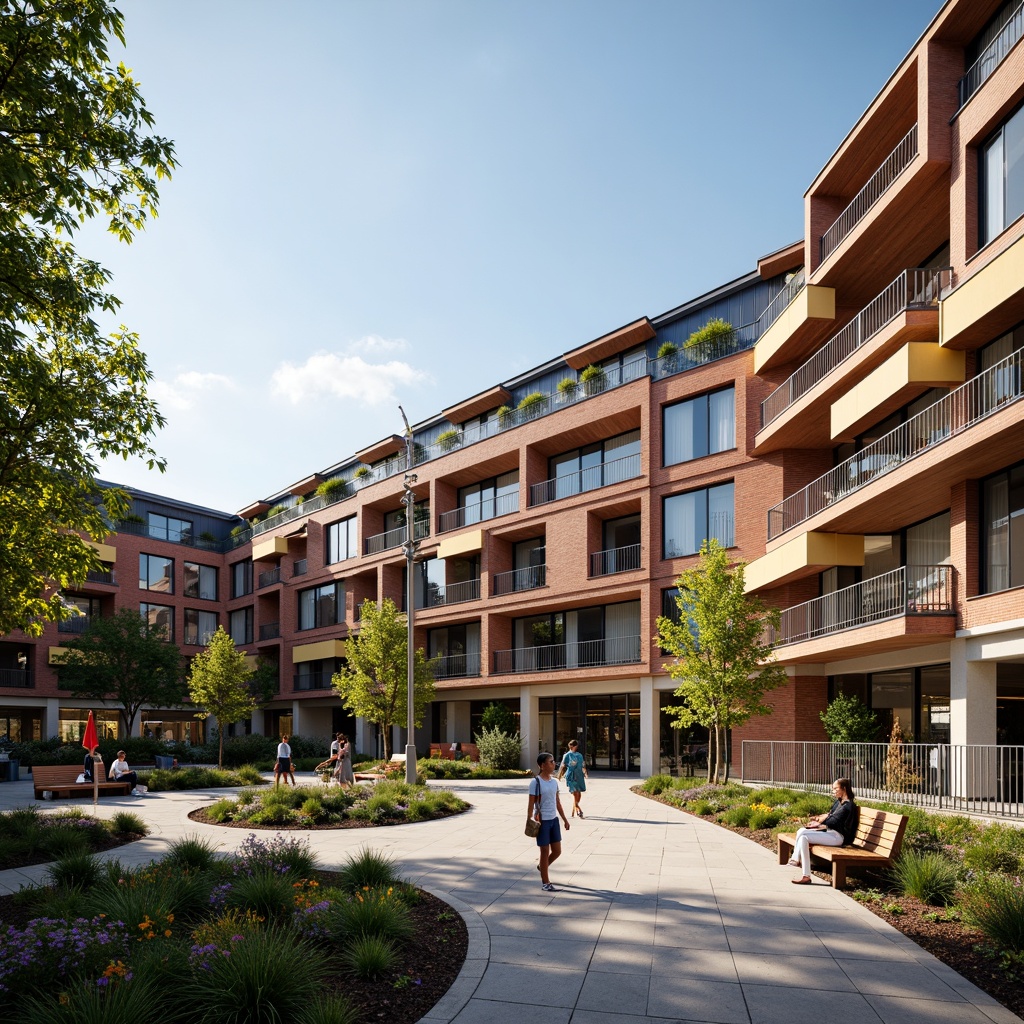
(974, 767)
(258, 723)
(457, 728)
(529, 727)
(365, 739)
(650, 731)
(310, 721)
(51, 718)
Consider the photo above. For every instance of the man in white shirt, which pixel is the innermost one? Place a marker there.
(120, 772)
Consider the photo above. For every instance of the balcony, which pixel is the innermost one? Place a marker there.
(992, 57)
(318, 680)
(269, 578)
(106, 577)
(910, 591)
(304, 508)
(300, 567)
(394, 538)
(740, 339)
(614, 560)
(17, 678)
(478, 512)
(77, 624)
(452, 593)
(518, 580)
(623, 650)
(589, 479)
(793, 287)
(893, 166)
(456, 666)
(912, 290)
(270, 630)
(969, 405)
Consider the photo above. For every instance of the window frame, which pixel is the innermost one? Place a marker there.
(168, 575)
(199, 567)
(333, 531)
(706, 491)
(200, 633)
(146, 606)
(705, 397)
(338, 587)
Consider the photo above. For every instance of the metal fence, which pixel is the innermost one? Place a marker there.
(478, 512)
(613, 560)
(892, 167)
(589, 479)
(967, 778)
(992, 56)
(529, 578)
(622, 650)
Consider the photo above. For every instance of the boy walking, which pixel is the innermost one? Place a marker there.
(546, 807)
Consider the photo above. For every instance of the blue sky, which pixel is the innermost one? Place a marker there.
(406, 202)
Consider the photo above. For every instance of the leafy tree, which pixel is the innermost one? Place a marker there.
(219, 684)
(123, 658)
(373, 684)
(847, 720)
(500, 717)
(722, 662)
(76, 146)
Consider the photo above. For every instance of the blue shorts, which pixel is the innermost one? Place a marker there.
(550, 832)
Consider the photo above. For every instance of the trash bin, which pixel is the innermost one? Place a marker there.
(165, 761)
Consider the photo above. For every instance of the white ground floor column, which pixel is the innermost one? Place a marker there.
(972, 695)
(529, 727)
(257, 722)
(365, 739)
(457, 722)
(51, 718)
(650, 731)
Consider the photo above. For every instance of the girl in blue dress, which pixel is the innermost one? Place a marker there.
(574, 770)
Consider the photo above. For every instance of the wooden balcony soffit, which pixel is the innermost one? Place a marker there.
(609, 345)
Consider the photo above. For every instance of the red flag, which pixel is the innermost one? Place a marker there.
(90, 739)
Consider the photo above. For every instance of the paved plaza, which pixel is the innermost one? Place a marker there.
(661, 917)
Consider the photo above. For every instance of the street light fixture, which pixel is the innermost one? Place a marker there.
(409, 550)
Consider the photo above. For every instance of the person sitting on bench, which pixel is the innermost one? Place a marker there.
(120, 772)
(836, 828)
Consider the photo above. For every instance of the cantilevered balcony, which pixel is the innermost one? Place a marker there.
(589, 479)
(270, 630)
(624, 650)
(615, 560)
(394, 538)
(456, 666)
(454, 593)
(478, 512)
(918, 592)
(107, 577)
(17, 678)
(517, 580)
(912, 290)
(893, 166)
(77, 624)
(269, 578)
(992, 56)
(981, 397)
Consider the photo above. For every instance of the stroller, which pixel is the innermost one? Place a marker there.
(326, 770)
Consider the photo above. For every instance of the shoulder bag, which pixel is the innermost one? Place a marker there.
(532, 824)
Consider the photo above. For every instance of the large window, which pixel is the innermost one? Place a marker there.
(241, 578)
(341, 540)
(699, 426)
(458, 648)
(1001, 179)
(240, 626)
(690, 519)
(156, 573)
(596, 465)
(489, 498)
(169, 528)
(199, 626)
(322, 606)
(428, 581)
(160, 617)
(1002, 498)
(200, 581)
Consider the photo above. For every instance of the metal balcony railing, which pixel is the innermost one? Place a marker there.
(318, 680)
(394, 538)
(913, 289)
(530, 578)
(478, 512)
(738, 340)
(17, 678)
(270, 577)
(909, 590)
(455, 666)
(109, 577)
(304, 508)
(270, 630)
(992, 56)
(77, 624)
(623, 650)
(982, 396)
(967, 779)
(454, 593)
(300, 567)
(892, 167)
(793, 287)
(613, 560)
(589, 479)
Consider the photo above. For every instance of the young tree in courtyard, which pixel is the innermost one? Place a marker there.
(220, 684)
(76, 146)
(373, 685)
(123, 658)
(723, 664)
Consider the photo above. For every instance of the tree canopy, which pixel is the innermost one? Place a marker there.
(373, 684)
(723, 662)
(123, 658)
(220, 684)
(847, 720)
(76, 146)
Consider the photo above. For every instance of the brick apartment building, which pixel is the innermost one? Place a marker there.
(856, 438)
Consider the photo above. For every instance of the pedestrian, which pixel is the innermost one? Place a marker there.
(546, 807)
(574, 771)
(121, 772)
(344, 770)
(89, 764)
(283, 765)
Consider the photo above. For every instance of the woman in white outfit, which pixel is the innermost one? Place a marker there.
(836, 828)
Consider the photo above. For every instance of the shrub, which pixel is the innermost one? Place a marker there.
(376, 912)
(368, 869)
(987, 857)
(739, 816)
(504, 414)
(361, 472)
(532, 401)
(329, 1010)
(714, 328)
(666, 349)
(120, 996)
(499, 749)
(369, 956)
(128, 823)
(499, 716)
(78, 869)
(448, 440)
(930, 877)
(704, 807)
(995, 904)
(192, 853)
(266, 893)
(333, 489)
(657, 784)
(764, 817)
(847, 720)
(294, 855)
(568, 386)
(593, 379)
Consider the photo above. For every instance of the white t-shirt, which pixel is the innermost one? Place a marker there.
(119, 768)
(283, 750)
(548, 796)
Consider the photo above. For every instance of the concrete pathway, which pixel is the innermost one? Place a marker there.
(661, 917)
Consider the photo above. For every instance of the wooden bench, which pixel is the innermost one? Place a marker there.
(395, 759)
(467, 751)
(877, 844)
(60, 778)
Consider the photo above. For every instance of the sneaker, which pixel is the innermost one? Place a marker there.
(548, 887)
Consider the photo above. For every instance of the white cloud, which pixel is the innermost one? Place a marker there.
(181, 392)
(375, 343)
(344, 376)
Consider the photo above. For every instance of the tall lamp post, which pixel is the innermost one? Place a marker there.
(409, 550)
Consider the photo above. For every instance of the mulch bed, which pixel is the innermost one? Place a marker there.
(203, 818)
(956, 944)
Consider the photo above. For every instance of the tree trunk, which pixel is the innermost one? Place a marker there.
(386, 732)
(711, 746)
(220, 752)
(725, 757)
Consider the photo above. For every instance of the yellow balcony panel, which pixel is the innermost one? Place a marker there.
(251, 662)
(55, 656)
(269, 547)
(987, 304)
(800, 327)
(107, 552)
(802, 556)
(463, 544)
(917, 366)
(318, 651)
